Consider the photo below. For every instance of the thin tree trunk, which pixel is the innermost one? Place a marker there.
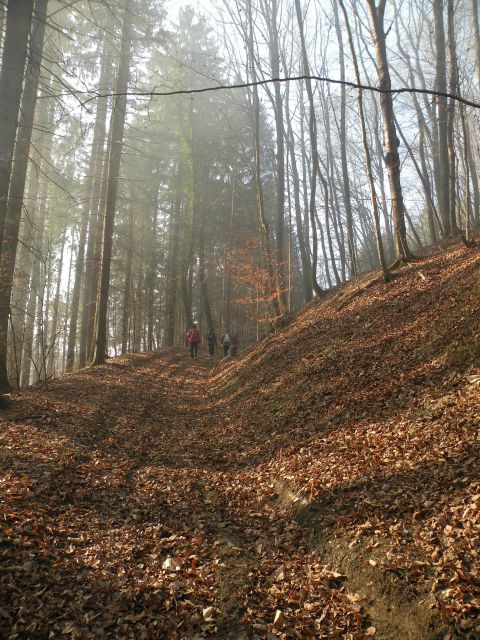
(390, 252)
(272, 11)
(441, 86)
(366, 149)
(92, 185)
(151, 275)
(93, 262)
(476, 31)
(172, 265)
(474, 176)
(23, 271)
(390, 135)
(128, 287)
(116, 133)
(432, 211)
(343, 148)
(304, 255)
(56, 303)
(45, 123)
(202, 275)
(314, 149)
(42, 320)
(327, 189)
(336, 219)
(423, 130)
(264, 227)
(73, 257)
(468, 205)
(452, 161)
(137, 313)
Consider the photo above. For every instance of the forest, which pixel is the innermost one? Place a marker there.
(302, 176)
(162, 164)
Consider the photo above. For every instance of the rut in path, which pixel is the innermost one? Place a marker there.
(132, 514)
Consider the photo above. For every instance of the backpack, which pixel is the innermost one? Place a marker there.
(226, 339)
(194, 336)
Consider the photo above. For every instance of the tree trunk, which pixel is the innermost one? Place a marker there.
(390, 135)
(19, 17)
(301, 236)
(92, 185)
(272, 287)
(343, 148)
(152, 263)
(476, 31)
(13, 209)
(390, 252)
(474, 176)
(93, 262)
(73, 257)
(45, 124)
(452, 161)
(23, 271)
(423, 131)
(202, 274)
(128, 287)
(314, 149)
(18, 21)
(56, 303)
(172, 265)
(441, 86)
(116, 134)
(468, 204)
(274, 54)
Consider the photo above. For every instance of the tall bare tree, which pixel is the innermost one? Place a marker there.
(442, 117)
(391, 141)
(366, 148)
(312, 125)
(116, 145)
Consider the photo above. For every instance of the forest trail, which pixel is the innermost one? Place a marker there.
(128, 515)
(154, 497)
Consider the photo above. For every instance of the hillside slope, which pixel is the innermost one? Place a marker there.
(366, 413)
(153, 497)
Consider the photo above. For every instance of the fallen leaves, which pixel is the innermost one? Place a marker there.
(138, 498)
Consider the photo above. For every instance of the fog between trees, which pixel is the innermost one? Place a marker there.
(127, 213)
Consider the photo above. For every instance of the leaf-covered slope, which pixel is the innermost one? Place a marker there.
(138, 499)
(367, 407)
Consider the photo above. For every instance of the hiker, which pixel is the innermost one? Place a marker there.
(211, 341)
(193, 339)
(226, 341)
(232, 352)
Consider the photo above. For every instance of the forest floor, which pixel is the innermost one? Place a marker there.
(324, 485)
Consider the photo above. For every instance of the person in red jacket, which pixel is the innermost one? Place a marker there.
(193, 339)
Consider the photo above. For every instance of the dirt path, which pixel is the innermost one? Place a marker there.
(131, 511)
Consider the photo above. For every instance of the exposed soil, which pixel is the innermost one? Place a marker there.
(155, 497)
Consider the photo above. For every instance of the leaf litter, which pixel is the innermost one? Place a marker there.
(139, 499)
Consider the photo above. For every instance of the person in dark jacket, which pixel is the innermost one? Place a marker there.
(211, 342)
(193, 339)
(232, 352)
(226, 341)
